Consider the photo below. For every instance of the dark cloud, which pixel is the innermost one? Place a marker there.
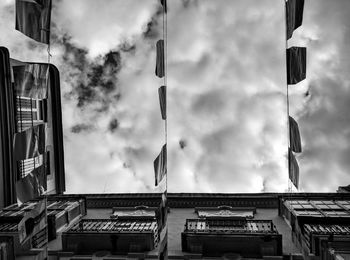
(127, 47)
(80, 128)
(113, 125)
(182, 143)
(153, 27)
(325, 137)
(210, 102)
(74, 56)
(186, 3)
(93, 81)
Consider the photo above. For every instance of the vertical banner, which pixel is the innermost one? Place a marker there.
(162, 101)
(294, 15)
(293, 169)
(32, 186)
(160, 165)
(296, 64)
(160, 68)
(33, 222)
(31, 80)
(29, 143)
(33, 19)
(294, 134)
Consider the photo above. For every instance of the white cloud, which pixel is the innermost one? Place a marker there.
(226, 93)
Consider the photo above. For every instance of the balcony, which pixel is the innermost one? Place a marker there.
(249, 238)
(116, 236)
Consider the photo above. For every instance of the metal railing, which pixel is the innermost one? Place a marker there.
(326, 229)
(230, 226)
(114, 226)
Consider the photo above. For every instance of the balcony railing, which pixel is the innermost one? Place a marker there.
(117, 236)
(8, 227)
(114, 226)
(327, 229)
(230, 226)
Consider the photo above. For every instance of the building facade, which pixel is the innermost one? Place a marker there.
(187, 226)
(19, 112)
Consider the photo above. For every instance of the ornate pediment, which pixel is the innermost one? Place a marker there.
(142, 212)
(226, 212)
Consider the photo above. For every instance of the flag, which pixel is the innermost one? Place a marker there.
(29, 143)
(163, 2)
(33, 222)
(296, 64)
(31, 80)
(162, 101)
(33, 19)
(164, 209)
(294, 15)
(293, 169)
(160, 59)
(160, 165)
(32, 186)
(294, 134)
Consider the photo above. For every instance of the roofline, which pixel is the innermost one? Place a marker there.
(191, 200)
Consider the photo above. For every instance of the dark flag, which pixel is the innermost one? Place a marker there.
(32, 186)
(31, 80)
(293, 169)
(29, 143)
(164, 209)
(296, 64)
(162, 101)
(294, 15)
(33, 222)
(160, 165)
(295, 143)
(33, 19)
(163, 2)
(160, 59)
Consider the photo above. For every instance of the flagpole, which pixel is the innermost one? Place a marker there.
(165, 38)
(287, 94)
(46, 231)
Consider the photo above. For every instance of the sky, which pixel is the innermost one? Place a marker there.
(226, 81)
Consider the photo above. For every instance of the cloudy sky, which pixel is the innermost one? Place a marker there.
(226, 77)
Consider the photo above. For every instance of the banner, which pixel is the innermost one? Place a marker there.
(29, 143)
(31, 80)
(32, 185)
(294, 134)
(164, 4)
(33, 19)
(33, 222)
(160, 59)
(296, 64)
(160, 165)
(293, 169)
(162, 101)
(294, 15)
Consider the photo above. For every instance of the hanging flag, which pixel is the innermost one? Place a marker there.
(160, 59)
(31, 80)
(164, 4)
(33, 222)
(160, 165)
(162, 101)
(33, 19)
(32, 186)
(29, 143)
(294, 134)
(294, 15)
(293, 169)
(296, 64)
(164, 209)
